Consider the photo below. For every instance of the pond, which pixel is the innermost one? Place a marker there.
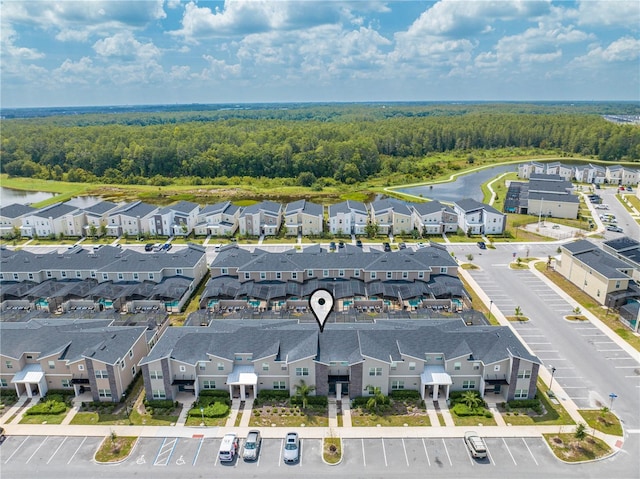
(9, 196)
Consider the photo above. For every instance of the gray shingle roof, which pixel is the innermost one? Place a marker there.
(100, 208)
(15, 210)
(430, 207)
(346, 207)
(55, 211)
(268, 207)
(604, 263)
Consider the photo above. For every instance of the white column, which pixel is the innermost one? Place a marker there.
(435, 391)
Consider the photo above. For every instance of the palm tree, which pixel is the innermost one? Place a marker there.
(304, 390)
(378, 399)
(518, 311)
(471, 399)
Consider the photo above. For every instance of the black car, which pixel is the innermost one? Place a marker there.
(482, 245)
(387, 247)
(148, 247)
(341, 244)
(359, 243)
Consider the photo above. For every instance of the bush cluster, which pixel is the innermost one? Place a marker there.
(405, 394)
(47, 407)
(533, 404)
(101, 407)
(313, 401)
(219, 393)
(462, 410)
(161, 404)
(213, 410)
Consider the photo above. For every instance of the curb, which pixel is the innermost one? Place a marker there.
(341, 453)
(114, 463)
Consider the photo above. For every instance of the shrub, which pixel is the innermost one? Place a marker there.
(534, 404)
(217, 409)
(405, 394)
(218, 393)
(47, 407)
(313, 401)
(273, 394)
(360, 401)
(463, 410)
(161, 404)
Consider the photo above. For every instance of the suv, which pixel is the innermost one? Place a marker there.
(332, 246)
(252, 446)
(291, 452)
(359, 243)
(228, 448)
(617, 229)
(148, 247)
(482, 245)
(475, 444)
(386, 246)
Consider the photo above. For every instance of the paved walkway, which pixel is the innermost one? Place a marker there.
(246, 413)
(432, 413)
(333, 413)
(235, 409)
(346, 413)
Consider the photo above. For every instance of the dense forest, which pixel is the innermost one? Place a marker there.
(344, 142)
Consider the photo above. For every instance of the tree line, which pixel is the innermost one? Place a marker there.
(349, 144)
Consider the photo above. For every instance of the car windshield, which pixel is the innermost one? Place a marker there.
(290, 447)
(250, 445)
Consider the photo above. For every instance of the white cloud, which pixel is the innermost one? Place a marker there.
(219, 69)
(623, 13)
(125, 46)
(626, 49)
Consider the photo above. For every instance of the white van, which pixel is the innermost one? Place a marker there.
(228, 448)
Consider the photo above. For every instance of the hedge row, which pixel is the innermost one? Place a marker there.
(217, 409)
(405, 394)
(161, 404)
(317, 401)
(273, 394)
(47, 407)
(534, 404)
(219, 393)
(462, 410)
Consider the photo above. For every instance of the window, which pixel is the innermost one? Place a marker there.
(66, 383)
(263, 275)
(183, 369)
(394, 365)
(202, 366)
(496, 368)
(412, 366)
(105, 276)
(159, 394)
(122, 364)
(356, 273)
(131, 353)
(101, 374)
(3, 383)
(375, 371)
(80, 367)
(151, 276)
(220, 366)
(136, 276)
(93, 274)
(309, 272)
(521, 394)
(443, 270)
(524, 374)
(279, 385)
(179, 271)
(438, 358)
(247, 275)
(302, 371)
(371, 390)
(372, 275)
(104, 393)
(238, 358)
(120, 276)
(457, 366)
(265, 366)
(155, 374)
(395, 385)
(325, 273)
(405, 275)
(30, 275)
(52, 364)
(133, 370)
(389, 275)
(468, 384)
(294, 275)
(208, 384)
(341, 273)
(278, 275)
(49, 275)
(476, 366)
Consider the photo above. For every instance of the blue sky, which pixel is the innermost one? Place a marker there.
(74, 53)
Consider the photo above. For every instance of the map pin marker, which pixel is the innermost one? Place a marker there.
(321, 303)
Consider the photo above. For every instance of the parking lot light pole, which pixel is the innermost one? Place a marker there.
(490, 306)
(202, 413)
(553, 371)
(612, 396)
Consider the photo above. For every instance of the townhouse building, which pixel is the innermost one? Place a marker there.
(11, 218)
(86, 356)
(628, 250)
(131, 219)
(622, 175)
(96, 218)
(551, 196)
(303, 218)
(259, 219)
(220, 219)
(392, 216)
(349, 217)
(53, 220)
(478, 218)
(105, 278)
(607, 279)
(434, 217)
(174, 220)
(433, 357)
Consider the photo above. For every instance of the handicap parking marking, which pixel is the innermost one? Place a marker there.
(165, 452)
(141, 460)
(180, 461)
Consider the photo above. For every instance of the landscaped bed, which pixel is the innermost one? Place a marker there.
(469, 409)
(603, 420)
(571, 449)
(115, 448)
(277, 408)
(51, 409)
(211, 409)
(399, 409)
(545, 413)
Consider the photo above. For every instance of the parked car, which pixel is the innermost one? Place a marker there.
(166, 246)
(475, 444)
(387, 247)
(332, 246)
(291, 452)
(629, 188)
(482, 245)
(157, 247)
(228, 448)
(341, 244)
(616, 229)
(148, 247)
(252, 446)
(2, 434)
(359, 243)
(555, 227)
(402, 245)
(422, 245)
(216, 248)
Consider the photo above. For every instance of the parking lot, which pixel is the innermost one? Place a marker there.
(197, 453)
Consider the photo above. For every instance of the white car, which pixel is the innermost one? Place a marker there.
(475, 444)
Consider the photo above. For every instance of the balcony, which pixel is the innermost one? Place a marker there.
(183, 380)
(493, 379)
(79, 380)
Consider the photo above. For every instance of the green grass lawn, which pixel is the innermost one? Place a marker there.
(555, 414)
(208, 421)
(473, 420)
(149, 420)
(606, 422)
(94, 418)
(44, 418)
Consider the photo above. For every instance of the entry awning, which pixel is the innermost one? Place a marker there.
(435, 375)
(493, 382)
(30, 374)
(243, 375)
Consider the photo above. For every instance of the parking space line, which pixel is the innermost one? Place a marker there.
(17, 449)
(532, 456)
(74, 454)
(364, 460)
(198, 451)
(405, 452)
(37, 449)
(426, 453)
(447, 451)
(384, 453)
(509, 451)
(57, 449)
(281, 457)
(300, 455)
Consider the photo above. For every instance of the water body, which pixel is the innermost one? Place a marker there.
(464, 186)
(9, 196)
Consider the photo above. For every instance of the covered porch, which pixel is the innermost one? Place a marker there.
(432, 379)
(30, 380)
(242, 382)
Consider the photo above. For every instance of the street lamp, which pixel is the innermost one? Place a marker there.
(202, 413)
(553, 371)
(126, 407)
(612, 396)
(490, 305)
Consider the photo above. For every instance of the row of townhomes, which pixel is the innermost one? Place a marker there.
(266, 218)
(543, 195)
(434, 357)
(607, 275)
(592, 174)
(404, 280)
(100, 278)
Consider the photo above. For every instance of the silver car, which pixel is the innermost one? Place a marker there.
(252, 446)
(291, 448)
